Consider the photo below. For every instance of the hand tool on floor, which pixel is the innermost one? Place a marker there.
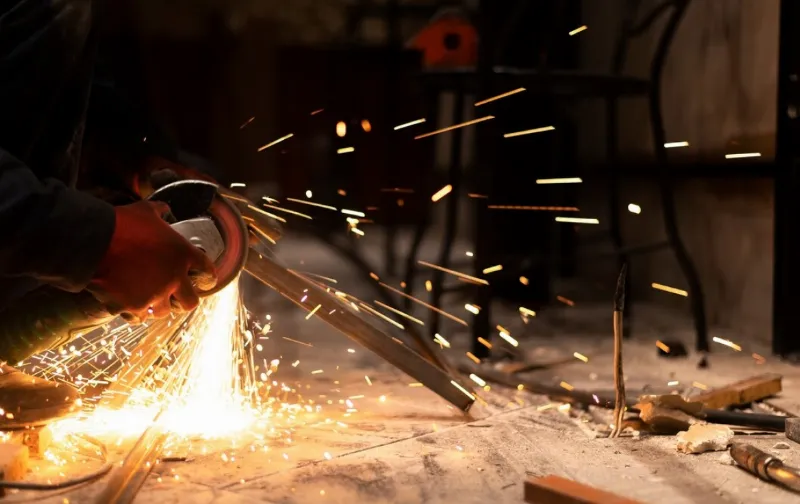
(765, 466)
(220, 223)
(605, 399)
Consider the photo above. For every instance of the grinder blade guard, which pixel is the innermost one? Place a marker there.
(193, 203)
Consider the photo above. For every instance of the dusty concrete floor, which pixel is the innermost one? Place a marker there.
(413, 447)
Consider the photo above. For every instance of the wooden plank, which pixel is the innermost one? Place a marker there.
(13, 463)
(556, 490)
(742, 392)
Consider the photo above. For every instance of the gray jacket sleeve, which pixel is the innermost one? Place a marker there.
(48, 231)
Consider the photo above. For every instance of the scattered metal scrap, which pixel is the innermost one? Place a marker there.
(742, 392)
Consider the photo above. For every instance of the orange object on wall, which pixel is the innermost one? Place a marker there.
(447, 42)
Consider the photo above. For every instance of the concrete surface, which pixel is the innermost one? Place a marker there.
(413, 447)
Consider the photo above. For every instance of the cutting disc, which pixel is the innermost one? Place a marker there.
(189, 199)
(236, 238)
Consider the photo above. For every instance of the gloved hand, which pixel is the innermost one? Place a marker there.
(147, 264)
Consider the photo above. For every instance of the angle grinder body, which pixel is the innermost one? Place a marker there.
(48, 318)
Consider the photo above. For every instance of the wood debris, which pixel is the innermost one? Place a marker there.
(742, 392)
(556, 490)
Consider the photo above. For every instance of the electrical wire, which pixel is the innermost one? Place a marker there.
(43, 487)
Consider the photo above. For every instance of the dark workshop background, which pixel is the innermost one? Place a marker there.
(209, 65)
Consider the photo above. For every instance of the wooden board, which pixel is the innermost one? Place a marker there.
(13, 463)
(556, 490)
(742, 392)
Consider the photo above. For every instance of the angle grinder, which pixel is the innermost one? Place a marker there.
(211, 218)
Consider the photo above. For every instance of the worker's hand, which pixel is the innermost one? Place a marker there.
(146, 269)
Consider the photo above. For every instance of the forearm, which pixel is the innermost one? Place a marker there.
(50, 232)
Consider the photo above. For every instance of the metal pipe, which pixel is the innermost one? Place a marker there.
(331, 310)
(765, 466)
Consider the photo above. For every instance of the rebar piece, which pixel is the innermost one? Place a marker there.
(619, 378)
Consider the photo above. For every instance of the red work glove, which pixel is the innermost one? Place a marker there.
(147, 264)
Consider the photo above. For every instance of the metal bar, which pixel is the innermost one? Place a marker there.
(125, 482)
(332, 311)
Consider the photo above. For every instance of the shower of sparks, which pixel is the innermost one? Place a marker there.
(674, 145)
(455, 273)
(312, 312)
(439, 339)
(743, 155)
(499, 97)
(567, 180)
(426, 305)
(264, 212)
(671, 290)
(534, 208)
(529, 132)
(507, 337)
(275, 142)
(578, 30)
(345, 150)
(493, 269)
(319, 205)
(286, 210)
(402, 314)
(566, 301)
(462, 389)
(477, 379)
(441, 193)
(410, 123)
(577, 220)
(455, 126)
(634, 208)
(727, 343)
(298, 342)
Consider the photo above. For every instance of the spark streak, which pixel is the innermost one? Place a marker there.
(455, 126)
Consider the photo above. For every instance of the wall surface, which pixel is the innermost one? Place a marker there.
(719, 95)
